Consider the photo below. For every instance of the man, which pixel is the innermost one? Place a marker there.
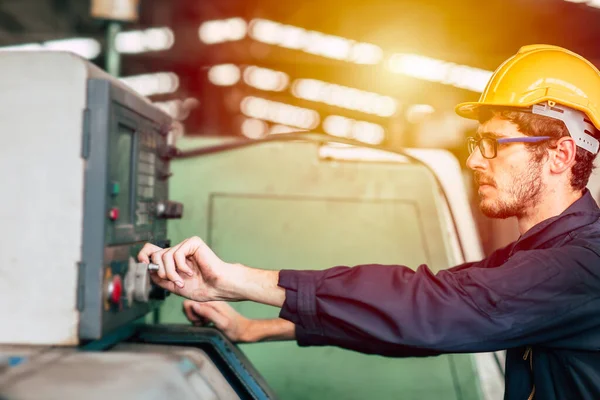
(538, 297)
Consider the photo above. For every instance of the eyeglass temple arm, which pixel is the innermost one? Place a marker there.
(529, 139)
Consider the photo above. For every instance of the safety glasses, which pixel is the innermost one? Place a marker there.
(489, 146)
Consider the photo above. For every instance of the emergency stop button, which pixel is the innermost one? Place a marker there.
(113, 214)
(115, 289)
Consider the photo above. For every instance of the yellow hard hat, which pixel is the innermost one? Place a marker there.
(542, 74)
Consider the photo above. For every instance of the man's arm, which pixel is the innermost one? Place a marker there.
(260, 286)
(192, 270)
(263, 330)
(534, 297)
(235, 326)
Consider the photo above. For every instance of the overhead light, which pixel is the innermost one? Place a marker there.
(224, 74)
(418, 112)
(313, 42)
(266, 79)
(434, 70)
(141, 41)
(254, 128)
(152, 84)
(345, 97)
(257, 77)
(84, 47)
(366, 53)
(280, 113)
(292, 37)
(362, 131)
(222, 30)
(307, 89)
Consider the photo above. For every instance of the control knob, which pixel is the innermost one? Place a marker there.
(169, 209)
(137, 282)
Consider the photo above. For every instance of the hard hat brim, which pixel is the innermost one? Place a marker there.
(469, 110)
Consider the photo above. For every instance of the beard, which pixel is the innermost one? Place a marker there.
(516, 198)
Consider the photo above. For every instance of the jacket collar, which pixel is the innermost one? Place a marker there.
(582, 212)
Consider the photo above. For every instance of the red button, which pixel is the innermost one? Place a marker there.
(117, 290)
(113, 214)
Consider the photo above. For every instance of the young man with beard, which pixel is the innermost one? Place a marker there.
(538, 297)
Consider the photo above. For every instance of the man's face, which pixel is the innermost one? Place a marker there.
(511, 183)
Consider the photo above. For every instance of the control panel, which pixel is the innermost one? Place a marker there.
(88, 172)
(86, 169)
(134, 139)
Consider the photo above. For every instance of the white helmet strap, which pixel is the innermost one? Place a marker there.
(579, 127)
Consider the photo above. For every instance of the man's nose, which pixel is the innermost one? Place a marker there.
(476, 161)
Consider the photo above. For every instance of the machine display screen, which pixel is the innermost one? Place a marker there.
(124, 168)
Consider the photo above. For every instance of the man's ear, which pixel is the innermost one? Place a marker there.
(562, 157)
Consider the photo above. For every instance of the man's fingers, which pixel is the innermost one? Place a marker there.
(163, 283)
(208, 311)
(181, 262)
(166, 269)
(188, 310)
(156, 258)
(146, 252)
(201, 252)
(185, 258)
(179, 255)
(170, 268)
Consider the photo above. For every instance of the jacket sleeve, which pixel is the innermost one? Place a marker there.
(533, 297)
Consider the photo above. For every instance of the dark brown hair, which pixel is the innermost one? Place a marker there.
(537, 125)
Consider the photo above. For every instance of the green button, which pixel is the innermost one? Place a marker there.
(114, 188)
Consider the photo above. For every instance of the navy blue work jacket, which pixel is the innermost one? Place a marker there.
(541, 292)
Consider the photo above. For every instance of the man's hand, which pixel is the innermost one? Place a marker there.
(235, 326)
(191, 269)
(226, 319)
